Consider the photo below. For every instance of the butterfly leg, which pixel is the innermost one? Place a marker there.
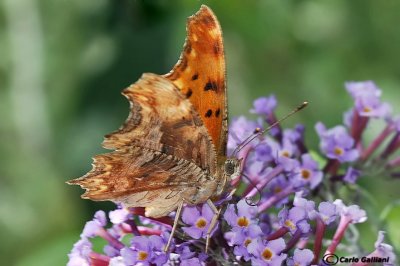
(212, 223)
(177, 216)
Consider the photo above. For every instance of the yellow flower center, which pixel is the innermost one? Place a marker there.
(267, 254)
(277, 190)
(305, 173)
(285, 154)
(201, 223)
(242, 222)
(338, 151)
(247, 242)
(367, 109)
(290, 224)
(142, 255)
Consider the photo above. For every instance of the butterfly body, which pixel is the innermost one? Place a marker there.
(172, 148)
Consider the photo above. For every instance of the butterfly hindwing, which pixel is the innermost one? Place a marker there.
(139, 177)
(162, 149)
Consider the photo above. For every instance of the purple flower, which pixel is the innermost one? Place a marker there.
(158, 244)
(92, 228)
(199, 221)
(119, 216)
(307, 205)
(372, 107)
(264, 105)
(244, 227)
(353, 213)
(286, 149)
(367, 99)
(294, 219)
(327, 212)
(284, 153)
(351, 175)
(308, 171)
(140, 251)
(301, 257)
(294, 135)
(257, 170)
(130, 256)
(145, 251)
(267, 253)
(241, 218)
(336, 143)
(240, 239)
(362, 89)
(79, 255)
(383, 250)
(263, 152)
(277, 185)
(240, 129)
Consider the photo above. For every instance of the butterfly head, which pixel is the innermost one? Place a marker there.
(232, 167)
(231, 170)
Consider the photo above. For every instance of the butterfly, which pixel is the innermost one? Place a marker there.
(171, 150)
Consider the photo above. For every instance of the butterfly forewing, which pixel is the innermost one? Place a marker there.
(200, 75)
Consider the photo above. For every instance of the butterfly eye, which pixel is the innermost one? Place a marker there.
(229, 167)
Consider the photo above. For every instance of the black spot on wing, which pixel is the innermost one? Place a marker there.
(195, 76)
(208, 113)
(217, 112)
(189, 93)
(211, 85)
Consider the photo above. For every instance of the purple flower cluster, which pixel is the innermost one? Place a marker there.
(296, 220)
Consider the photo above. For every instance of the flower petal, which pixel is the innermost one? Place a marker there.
(193, 232)
(190, 215)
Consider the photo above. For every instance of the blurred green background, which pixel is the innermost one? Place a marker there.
(63, 65)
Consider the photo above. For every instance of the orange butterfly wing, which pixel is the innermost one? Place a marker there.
(200, 75)
(173, 143)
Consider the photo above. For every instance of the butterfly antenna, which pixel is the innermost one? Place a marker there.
(249, 200)
(258, 131)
